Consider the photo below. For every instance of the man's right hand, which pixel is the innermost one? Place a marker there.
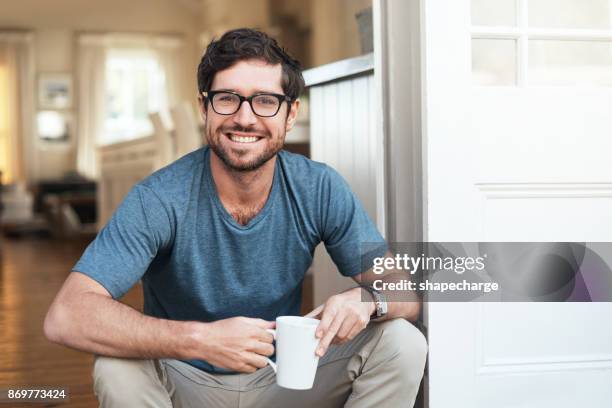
(239, 344)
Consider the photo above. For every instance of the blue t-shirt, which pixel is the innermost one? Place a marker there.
(197, 263)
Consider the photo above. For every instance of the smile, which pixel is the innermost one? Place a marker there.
(243, 139)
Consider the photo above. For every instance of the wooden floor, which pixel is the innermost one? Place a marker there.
(31, 273)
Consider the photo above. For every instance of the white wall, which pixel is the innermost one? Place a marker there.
(343, 126)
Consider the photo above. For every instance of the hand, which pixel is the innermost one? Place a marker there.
(342, 316)
(237, 344)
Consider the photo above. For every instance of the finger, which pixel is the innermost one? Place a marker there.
(355, 330)
(329, 336)
(264, 324)
(263, 335)
(261, 348)
(345, 328)
(315, 312)
(350, 334)
(326, 320)
(336, 341)
(256, 360)
(246, 368)
(353, 333)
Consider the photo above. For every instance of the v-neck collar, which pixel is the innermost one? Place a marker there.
(214, 194)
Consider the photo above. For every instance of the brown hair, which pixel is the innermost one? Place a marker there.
(244, 44)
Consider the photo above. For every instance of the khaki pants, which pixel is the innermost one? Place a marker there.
(381, 367)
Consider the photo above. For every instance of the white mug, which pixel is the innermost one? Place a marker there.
(296, 361)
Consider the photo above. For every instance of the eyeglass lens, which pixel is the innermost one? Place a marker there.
(228, 103)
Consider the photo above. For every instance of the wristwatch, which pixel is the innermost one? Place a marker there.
(379, 300)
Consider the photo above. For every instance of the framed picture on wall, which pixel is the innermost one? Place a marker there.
(54, 126)
(54, 91)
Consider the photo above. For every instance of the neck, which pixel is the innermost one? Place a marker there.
(236, 188)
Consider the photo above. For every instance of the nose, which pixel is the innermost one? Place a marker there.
(245, 116)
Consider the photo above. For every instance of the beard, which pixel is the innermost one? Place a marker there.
(236, 159)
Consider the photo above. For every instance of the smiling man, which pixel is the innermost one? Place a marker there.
(221, 240)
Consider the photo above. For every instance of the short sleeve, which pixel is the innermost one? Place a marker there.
(347, 227)
(123, 250)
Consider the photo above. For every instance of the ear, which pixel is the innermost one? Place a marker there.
(201, 106)
(292, 116)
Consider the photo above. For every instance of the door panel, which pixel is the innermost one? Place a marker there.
(520, 162)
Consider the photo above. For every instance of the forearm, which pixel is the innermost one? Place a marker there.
(99, 324)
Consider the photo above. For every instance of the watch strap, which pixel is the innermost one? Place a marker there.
(379, 301)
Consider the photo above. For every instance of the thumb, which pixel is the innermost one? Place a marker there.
(316, 312)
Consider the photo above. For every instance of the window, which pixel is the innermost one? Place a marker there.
(542, 42)
(135, 87)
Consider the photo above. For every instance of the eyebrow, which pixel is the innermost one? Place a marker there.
(258, 91)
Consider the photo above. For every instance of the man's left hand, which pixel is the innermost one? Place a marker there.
(342, 316)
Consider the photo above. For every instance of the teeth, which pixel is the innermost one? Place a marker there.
(243, 139)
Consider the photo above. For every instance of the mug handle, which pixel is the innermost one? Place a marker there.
(270, 362)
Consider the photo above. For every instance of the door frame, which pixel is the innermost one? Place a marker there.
(401, 138)
(401, 154)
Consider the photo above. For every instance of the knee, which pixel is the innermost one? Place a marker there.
(407, 345)
(119, 382)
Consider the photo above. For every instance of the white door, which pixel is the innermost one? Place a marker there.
(518, 139)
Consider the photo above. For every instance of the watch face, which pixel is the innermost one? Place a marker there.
(379, 309)
(384, 308)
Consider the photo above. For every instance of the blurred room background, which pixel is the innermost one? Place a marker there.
(80, 77)
(94, 96)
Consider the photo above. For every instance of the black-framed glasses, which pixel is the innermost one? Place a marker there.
(262, 104)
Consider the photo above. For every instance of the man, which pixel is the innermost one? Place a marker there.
(222, 239)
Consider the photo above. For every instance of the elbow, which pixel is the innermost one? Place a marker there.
(54, 324)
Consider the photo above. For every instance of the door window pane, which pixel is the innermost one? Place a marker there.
(494, 13)
(493, 62)
(592, 14)
(570, 62)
